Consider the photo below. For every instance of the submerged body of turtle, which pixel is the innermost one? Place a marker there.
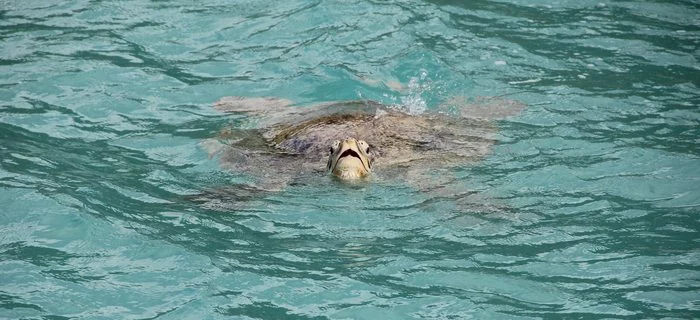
(283, 142)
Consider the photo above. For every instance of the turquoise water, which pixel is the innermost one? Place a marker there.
(104, 105)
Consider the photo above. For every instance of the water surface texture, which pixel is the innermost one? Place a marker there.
(588, 205)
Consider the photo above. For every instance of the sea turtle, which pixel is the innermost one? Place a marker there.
(355, 140)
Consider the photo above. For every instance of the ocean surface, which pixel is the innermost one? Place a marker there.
(589, 203)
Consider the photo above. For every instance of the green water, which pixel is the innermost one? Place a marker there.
(103, 105)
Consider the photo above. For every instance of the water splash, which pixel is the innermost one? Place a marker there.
(413, 101)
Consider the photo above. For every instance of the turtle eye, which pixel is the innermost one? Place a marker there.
(365, 146)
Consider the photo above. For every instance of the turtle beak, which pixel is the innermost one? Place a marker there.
(350, 153)
(348, 161)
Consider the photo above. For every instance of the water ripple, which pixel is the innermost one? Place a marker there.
(585, 208)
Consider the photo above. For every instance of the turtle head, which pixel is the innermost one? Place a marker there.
(349, 159)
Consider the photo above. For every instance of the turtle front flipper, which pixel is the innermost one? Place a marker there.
(267, 111)
(236, 197)
(255, 105)
(487, 108)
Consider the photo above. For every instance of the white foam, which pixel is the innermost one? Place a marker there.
(413, 102)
